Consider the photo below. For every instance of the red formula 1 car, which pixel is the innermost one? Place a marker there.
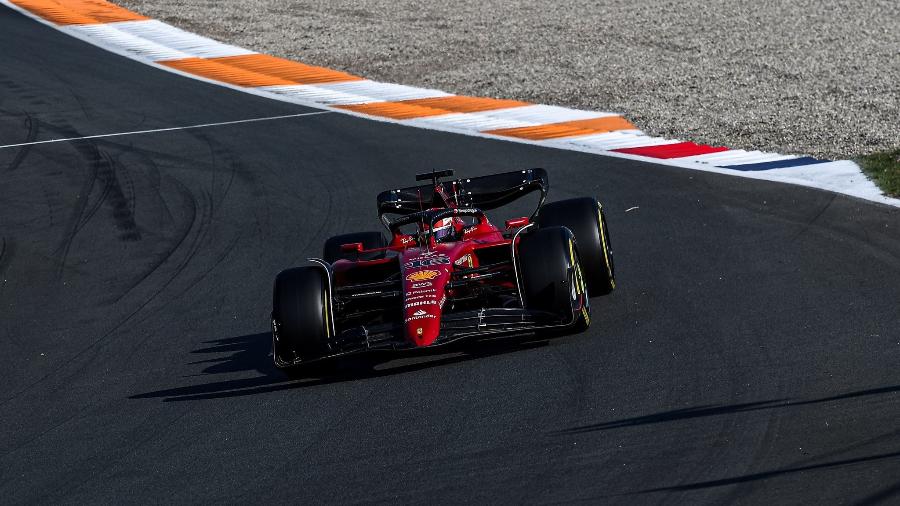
(447, 273)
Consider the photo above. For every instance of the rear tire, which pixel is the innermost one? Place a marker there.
(300, 314)
(370, 240)
(585, 218)
(552, 277)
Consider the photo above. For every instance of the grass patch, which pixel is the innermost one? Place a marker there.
(884, 169)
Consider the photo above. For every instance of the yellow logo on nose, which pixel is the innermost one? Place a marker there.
(422, 275)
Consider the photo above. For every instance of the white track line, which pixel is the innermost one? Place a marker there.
(156, 130)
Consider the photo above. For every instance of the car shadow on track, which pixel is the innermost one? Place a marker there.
(875, 498)
(711, 410)
(889, 492)
(252, 353)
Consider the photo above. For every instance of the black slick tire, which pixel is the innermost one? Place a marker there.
(585, 218)
(300, 315)
(551, 276)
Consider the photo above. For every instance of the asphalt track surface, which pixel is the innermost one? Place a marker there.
(750, 354)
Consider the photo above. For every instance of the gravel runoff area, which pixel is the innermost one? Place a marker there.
(819, 77)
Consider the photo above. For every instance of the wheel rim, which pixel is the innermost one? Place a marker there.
(579, 287)
(608, 247)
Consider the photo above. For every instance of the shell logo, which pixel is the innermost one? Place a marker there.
(422, 275)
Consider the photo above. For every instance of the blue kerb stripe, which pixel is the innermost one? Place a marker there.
(780, 164)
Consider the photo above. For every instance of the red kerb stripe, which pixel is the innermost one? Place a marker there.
(677, 150)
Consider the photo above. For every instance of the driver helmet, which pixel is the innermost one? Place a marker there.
(443, 229)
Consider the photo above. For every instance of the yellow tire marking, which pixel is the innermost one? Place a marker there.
(612, 280)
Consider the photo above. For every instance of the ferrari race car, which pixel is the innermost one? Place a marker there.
(447, 273)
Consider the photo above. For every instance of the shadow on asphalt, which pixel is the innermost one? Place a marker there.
(252, 353)
(873, 499)
(710, 410)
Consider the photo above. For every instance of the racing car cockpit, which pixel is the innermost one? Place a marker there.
(437, 224)
(444, 211)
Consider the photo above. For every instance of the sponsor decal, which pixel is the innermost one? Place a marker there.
(422, 284)
(465, 261)
(406, 240)
(427, 290)
(421, 303)
(419, 331)
(420, 317)
(425, 260)
(425, 275)
(426, 296)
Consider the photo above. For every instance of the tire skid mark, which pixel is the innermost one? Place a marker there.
(200, 222)
(128, 191)
(183, 291)
(153, 175)
(31, 123)
(101, 166)
(220, 156)
(7, 248)
(102, 170)
(32, 126)
(188, 213)
(165, 257)
(201, 225)
(75, 219)
(5, 252)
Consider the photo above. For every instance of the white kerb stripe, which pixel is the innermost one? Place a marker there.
(509, 117)
(755, 157)
(727, 157)
(537, 114)
(468, 122)
(106, 35)
(616, 140)
(311, 93)
(353, 92)
(374, 91)
(188, 43)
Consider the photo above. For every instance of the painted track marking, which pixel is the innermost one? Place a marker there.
(169, 129)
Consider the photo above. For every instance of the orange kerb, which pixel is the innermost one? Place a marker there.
(78, 12)
(566, 128)
(394, 110)
(424, 107)
(257, 70)
(460, 103)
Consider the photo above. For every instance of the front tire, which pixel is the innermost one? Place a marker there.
(585, 218)
(552, 276)
(300, 315)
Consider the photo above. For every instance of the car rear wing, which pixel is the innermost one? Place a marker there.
(484, 192)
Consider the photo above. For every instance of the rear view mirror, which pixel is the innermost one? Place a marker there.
(352, 247)
(517, 222)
